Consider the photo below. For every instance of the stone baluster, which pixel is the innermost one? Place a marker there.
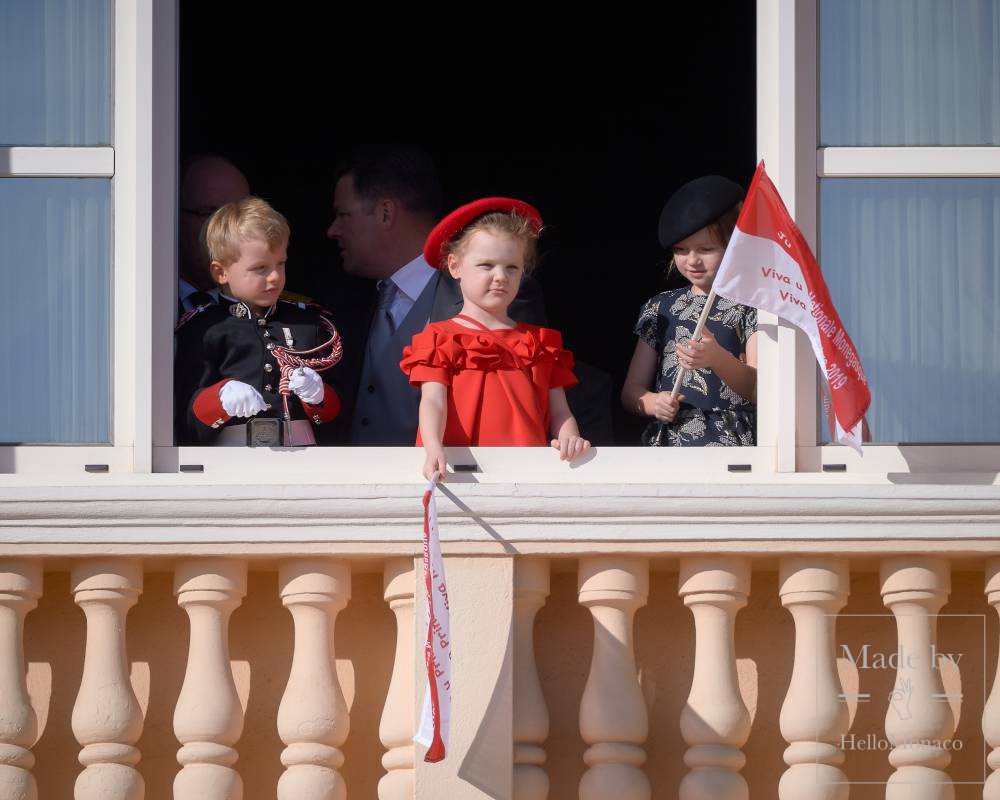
(20, 588)
(813, 716)
(208, 719)
(914, 588)
(107, 719)
(991, 714)
(715, 723)
(531, 717)
(397, 726)
(312, 718)
(613, 719)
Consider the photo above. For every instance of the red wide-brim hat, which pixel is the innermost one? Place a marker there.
(453, 224)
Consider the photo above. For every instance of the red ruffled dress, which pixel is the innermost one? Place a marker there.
(498, 381)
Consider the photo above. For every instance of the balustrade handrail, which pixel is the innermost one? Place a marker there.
(169, 515)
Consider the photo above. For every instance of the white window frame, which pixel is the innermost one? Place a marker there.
(787, 113)
(75, 162)
(141, 163)
(118, 163)
(143, 166)
(877, 162)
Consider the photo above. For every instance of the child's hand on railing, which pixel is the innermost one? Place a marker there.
(434, 461)
(570, 446)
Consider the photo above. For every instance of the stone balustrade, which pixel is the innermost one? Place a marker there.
(107, 720)
(302, 677)
(813, 718)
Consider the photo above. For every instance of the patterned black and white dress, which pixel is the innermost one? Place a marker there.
(712, 414)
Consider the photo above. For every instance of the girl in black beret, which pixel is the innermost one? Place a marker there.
(716, 404)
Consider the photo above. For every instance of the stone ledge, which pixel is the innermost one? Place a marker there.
(166, 513)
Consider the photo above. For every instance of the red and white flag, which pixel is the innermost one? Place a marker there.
(436, 713)
(768, 265)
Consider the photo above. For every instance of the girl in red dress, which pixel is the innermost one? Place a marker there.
(484, 378)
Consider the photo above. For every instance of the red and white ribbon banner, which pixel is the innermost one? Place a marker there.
(436, 713)
(769, 265)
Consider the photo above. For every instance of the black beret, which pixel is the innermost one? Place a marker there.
(695, 205)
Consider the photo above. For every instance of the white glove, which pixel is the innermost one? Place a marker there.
(241, 399)
(308, 385)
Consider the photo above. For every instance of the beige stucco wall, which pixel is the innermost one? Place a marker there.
(261, 647)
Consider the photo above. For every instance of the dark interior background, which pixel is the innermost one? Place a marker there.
(595, 121)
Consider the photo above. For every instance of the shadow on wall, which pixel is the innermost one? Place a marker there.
(54, 641)
(664, 642)
(261, 650)
(765, 641)
(480, 765)
(563, 647)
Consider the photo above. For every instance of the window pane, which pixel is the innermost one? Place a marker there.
(55, 72)
(55, 268)
(910, 72)
(913, 265)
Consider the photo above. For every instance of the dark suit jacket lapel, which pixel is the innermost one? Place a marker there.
(416, 319)
(447, 299)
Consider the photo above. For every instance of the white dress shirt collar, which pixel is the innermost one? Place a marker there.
(411, 279)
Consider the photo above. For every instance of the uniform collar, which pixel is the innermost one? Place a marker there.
(241, 310)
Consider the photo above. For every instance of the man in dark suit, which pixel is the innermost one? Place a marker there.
(385, 202)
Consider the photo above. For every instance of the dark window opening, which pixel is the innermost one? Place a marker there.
(594, 122)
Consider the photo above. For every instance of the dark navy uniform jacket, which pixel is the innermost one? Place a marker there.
(225, 341)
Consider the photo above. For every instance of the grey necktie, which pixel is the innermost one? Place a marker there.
(383, 325)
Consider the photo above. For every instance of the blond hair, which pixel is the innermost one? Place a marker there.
(239, 221)
(723, 227)
(509, 222)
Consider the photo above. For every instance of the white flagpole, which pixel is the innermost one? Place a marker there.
(682, 373)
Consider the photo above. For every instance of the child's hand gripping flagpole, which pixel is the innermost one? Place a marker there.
(436, 713)
(681, 372)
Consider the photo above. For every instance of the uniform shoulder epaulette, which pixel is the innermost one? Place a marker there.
(187, 316)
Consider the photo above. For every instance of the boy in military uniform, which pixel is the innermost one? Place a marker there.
(227, 377)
